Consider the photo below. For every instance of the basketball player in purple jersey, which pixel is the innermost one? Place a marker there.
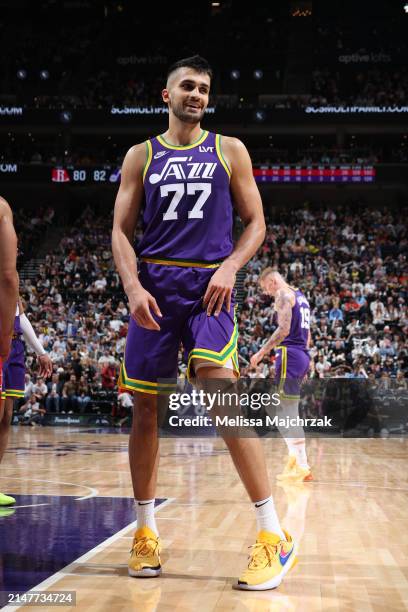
(185, 184)
(8, 293)
(13, 376)
(290, 340)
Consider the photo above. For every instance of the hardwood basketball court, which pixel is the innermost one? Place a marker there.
(73, 488)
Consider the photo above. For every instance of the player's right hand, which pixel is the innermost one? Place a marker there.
(256, 358)
(141, 302)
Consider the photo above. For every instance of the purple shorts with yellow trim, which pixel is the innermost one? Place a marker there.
(14, 371)
(292, 365)
(150, 363)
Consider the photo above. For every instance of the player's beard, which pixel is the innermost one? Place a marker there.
(184, 115)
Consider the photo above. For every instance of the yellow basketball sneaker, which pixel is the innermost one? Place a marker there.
(6, 500)
(301, 474)
(293, 472)
(288, 469)
(271, 558)
(144, 559)
(6, 511)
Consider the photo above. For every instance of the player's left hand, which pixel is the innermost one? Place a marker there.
(219, 290)
(45, 364)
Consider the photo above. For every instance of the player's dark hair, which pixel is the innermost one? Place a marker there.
(196, 62)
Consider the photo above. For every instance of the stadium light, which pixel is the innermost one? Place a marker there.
(22, 74)
(235, 74)
(44, 75)
(258, 74)
(260, 116)
(406, 7)
(65, 117)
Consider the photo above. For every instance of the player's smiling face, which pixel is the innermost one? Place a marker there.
(187, 94)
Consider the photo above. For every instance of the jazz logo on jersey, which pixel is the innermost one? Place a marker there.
(175, 168)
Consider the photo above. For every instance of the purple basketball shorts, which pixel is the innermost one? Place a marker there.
(14, 370)
(150, 362)
(291, 366)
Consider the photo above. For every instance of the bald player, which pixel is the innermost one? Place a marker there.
(290, 341)
(8, 297)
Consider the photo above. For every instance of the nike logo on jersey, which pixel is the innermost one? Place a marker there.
(175, 168)
(159, 154)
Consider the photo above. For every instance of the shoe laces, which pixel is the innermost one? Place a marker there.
(262, 555)
(145, 546)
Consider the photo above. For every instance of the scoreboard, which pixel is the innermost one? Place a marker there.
(80, 175)
(85, 175)
(315, 174)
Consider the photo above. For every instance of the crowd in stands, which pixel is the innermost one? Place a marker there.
(120, 58)
(108, 152)
(32, 228)
(363, 87)
(317, 155)
(382, 35)
(76, 306)
(349, 261)
(98, 62)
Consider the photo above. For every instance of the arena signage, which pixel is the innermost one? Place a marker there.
(11, 110)
(8, 168)
(136, 59)
(147, 110)
(366, 110)
(365, 58)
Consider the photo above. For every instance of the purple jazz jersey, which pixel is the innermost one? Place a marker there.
(292, 361)
(187, 215)
(14, 367)
(187, 232)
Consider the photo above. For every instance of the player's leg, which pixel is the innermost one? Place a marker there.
(291, 367)
(13, 387)
(274, 552)
(6, 413)
(149, 366)
(214, 339)
(144, 455)
(297, 466)
(144, 463)
(5, 424)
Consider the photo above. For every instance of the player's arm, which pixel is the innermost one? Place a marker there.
(127, 209)
(284, 302)
(8, 278)
(248, 204)
(34, 343)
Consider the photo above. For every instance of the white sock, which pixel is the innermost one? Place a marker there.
(291, 446)
(145, 514)
(299, 446)
(266, 517)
